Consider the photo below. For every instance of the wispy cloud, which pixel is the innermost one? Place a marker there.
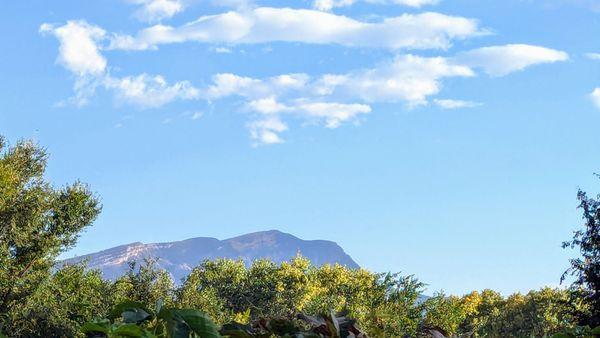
(272, 102)
(326, 5)
(196, 115)
(595, 97)
(148, 91)
(503, 60)
(157, 10)
(80, 54)
(455, 104)
(593, 56)
(267, 24)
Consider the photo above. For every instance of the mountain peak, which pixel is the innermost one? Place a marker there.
(178, 258)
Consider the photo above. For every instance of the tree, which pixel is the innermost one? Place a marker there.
(72, 296)
(144, 283)
(586, 268)
(37, 221)
(446, 313)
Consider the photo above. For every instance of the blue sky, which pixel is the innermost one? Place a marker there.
(445, 139)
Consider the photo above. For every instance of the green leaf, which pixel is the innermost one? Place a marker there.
(95, 327)
(596, 330)
(135, 316)
(129, 330)
(175, 326)
(131, 312)
(199, 322)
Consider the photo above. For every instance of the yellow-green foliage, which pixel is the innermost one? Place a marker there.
(537, 313)
(385, 305)
(227, 290)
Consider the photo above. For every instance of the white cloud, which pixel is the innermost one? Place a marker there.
(240, 4)
(222, 50)
(79, 53)
(147, 91)
(78, 50)
(503, 60)
(408, 78)
(266, 130)
(326, 5)
(157, 10)
(271, 102)
(455, 104)
(267, 106)
(266, 24)
(332, 113)
(593, 56)
(268, 125)
(595, 96)
(228, 84)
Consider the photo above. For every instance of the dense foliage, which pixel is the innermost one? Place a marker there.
(226, 291)
(37, 222)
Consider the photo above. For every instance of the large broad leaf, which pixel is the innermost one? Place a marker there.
(175, 325)
(95, 327)
(131, 312)
(135, 316)
(199, 322)
(129, 330)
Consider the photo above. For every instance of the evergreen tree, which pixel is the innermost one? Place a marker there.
(586, 268)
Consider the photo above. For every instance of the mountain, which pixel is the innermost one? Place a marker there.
(178, 258)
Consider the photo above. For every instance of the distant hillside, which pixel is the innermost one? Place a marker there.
(178, 258)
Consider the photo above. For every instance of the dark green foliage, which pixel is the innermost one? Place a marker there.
(37, 222)
(65, 301)
(331, 325)
(134, 319)
(579, 332)
(586, 268)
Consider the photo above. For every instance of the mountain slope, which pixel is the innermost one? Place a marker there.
(178, 258)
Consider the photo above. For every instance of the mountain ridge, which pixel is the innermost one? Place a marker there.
(179, 257)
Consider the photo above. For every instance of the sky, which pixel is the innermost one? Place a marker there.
(445, 139)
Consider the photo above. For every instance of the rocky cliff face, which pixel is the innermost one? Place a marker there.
(178, 258)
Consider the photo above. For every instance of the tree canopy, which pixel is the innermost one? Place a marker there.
(37, 220)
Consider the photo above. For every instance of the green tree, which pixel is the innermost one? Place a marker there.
(37, 221)
(444, 312)
(144, 283)
(62, 304)
(586, 268)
